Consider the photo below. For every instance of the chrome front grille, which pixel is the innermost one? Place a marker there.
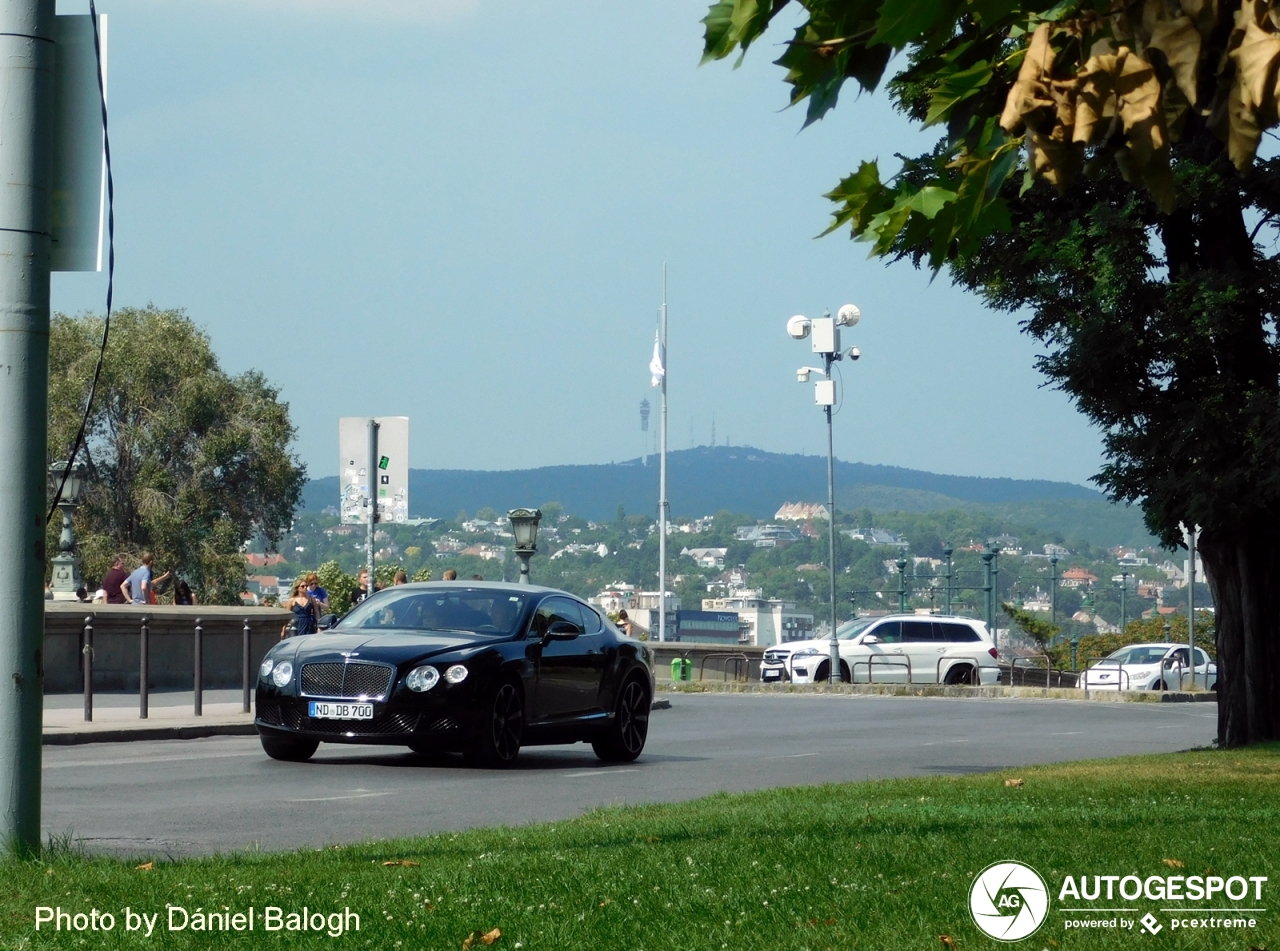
(347, 681)
(775, 657)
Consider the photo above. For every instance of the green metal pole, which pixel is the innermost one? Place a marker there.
(987, 588)
(1053, 594)
(26, 112)
(946, 553)
(1124, 590)
(902, 586)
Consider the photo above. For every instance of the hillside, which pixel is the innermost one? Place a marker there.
(755, 482)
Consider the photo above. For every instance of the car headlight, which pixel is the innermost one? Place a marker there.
(282, 674)
(456, 674)
(265, 669)
(422, 679)
(808, 652)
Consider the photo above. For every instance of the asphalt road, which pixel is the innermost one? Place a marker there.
(223, 793)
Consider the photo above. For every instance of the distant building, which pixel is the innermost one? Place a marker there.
(1056, 551)
(768, 536)
(706, 557)
(619, 596)
(710, 627)
(1078, 577)
(1004, 542)
(264, 561)
(801, 512)
(876, 537)
(765, 621)
(487, 552)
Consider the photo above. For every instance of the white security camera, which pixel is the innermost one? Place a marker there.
(848, 315)
(798, 326)
(802, 375)
(854, 353)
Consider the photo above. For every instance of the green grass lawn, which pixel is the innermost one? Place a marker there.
(880, 865)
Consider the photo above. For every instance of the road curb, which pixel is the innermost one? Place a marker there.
(934, 690)
(126, 734)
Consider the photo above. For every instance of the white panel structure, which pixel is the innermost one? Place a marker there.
(79, 169)
(391, 477)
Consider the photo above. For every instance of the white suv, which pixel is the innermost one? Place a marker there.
(903, 648)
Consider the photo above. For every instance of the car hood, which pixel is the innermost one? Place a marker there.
(392, 647)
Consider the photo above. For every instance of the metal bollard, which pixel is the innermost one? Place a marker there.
(199, 669)
(144, 673)
(244, 665)
(87, 651)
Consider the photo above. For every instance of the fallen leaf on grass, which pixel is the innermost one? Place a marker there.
(145, 867)
(947, 941)
(1013, 782)
(427, 905)
(406, 862)
(1173, 863)
(468, 941)
(489, 937)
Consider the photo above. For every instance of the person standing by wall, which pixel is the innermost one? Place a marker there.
(139, 582)
(112, 581)
(306, 612)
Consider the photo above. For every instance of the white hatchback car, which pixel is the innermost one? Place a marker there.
(1150, 667)
(904, 648)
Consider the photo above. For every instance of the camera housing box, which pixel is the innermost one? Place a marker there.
(826, 336)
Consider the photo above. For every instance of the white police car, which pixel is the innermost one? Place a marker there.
(903, 648)
(1150, 667)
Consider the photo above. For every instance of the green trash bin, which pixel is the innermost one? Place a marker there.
(681, 669)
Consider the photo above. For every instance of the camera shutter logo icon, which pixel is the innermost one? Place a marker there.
(1008, 901)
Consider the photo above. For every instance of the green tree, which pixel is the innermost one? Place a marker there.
(183, 459)
(1096, 169)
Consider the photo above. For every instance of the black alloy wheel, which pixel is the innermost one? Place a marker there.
(289, 749)
(630, 727)
(499, 743)
(824, 668)
(961, 674)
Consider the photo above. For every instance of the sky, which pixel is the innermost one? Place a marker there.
(460, 210)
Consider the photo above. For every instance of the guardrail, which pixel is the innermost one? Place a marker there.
(975, 678)
(896, 660)
(1048, 667)
(740, 660)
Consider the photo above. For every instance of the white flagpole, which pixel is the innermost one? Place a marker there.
(662, 479)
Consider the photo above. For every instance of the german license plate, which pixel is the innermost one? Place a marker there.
(340, 711)
(771, 675)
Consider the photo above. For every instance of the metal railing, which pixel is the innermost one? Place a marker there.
(144, 667)
(975, 677)
(895, 660)
(1049, 669)
(740, 661)
(1121, 676)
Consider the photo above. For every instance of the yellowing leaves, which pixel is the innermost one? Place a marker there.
(1013, 783)
(487, 938)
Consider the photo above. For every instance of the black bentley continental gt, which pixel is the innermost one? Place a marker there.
(471, 667)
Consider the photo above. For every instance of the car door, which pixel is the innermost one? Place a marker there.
(882, 661)
(565, 661)
(921, 646)
(1177, 670)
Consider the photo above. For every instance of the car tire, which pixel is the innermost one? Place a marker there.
(820, 676)
(503, 727)
(289, 749)
(629, 728)
(960, 675)
(1160, 685)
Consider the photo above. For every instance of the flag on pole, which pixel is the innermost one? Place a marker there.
(657, 366)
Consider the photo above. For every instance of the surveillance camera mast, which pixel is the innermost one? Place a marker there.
(826, 343)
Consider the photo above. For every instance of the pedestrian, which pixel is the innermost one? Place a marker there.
(630, 627)
(182, 593)
(139, 582)
(318, 593)
(401, 577)
(450, 575)
(113, 583)
(362, 587)
(306, 613)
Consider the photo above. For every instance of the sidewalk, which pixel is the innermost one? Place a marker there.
(170, 716)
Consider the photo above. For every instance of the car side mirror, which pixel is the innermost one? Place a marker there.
(871, 639)
(327, 621)
(562, 631)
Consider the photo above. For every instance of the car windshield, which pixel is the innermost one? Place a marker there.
(474, 610)
(851, 629)
(1139, 654)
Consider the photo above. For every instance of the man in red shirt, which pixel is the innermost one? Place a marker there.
(112, 581)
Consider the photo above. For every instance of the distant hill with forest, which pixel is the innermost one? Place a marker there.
(753, 482)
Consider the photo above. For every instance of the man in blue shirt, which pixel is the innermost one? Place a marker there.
(139, 583)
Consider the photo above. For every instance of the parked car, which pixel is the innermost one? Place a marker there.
(905, 648)
(1150, 667)
(482, 669)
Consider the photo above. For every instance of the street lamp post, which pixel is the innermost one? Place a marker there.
(1053, 593)
(826, 344)
(947, 553)
(66, 564)
(524, 525)
(902, 585)
(1124, 590)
